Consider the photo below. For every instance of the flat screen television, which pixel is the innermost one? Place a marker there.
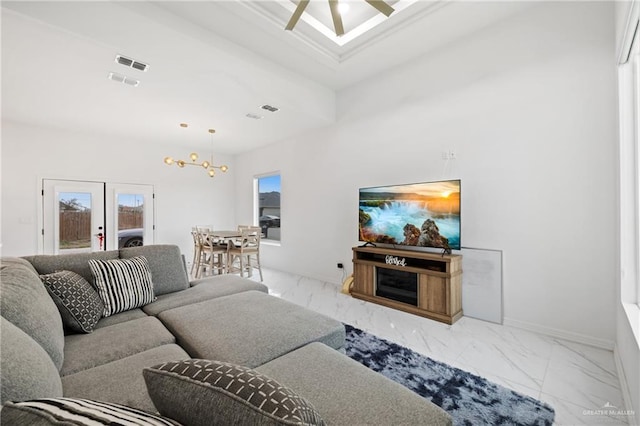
(414, 215)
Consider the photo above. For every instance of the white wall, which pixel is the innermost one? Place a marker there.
(528, 106)
(183, 197)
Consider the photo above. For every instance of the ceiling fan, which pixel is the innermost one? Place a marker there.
(380, 5)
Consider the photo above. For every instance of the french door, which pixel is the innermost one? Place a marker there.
(82, 216)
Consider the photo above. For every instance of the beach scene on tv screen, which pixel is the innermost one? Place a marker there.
(419, 215)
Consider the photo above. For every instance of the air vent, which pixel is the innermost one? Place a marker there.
(131, 81)
(124, 61)
(123, 79)
(254, 116)
(270, 108)
(139, 66)
(128, 62)
(116, 77)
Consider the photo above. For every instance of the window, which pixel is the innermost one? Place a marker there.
(267, 205)
(629, 94)
(635, 113)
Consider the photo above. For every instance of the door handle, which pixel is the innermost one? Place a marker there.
(100, 237)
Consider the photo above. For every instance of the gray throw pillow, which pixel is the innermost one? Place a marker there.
(167, 266)
(76, 411)
(199, 392)
(122, 284)
(78, 302)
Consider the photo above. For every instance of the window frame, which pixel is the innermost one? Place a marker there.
(629, 162)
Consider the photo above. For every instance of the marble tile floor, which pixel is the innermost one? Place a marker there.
(575, 379)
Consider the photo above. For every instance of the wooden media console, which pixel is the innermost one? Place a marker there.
(421, 283)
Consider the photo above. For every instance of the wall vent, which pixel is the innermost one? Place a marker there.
(254, 116)
(270, 108)
(123, 79)
(131, 63)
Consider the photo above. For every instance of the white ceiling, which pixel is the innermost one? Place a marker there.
(211, 63)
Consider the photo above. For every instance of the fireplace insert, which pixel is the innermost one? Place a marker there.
(401, 286)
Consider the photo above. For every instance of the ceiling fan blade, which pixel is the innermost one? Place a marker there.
(382, 7)
(337, 19)
(302, 5)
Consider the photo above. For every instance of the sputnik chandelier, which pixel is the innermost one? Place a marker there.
(207, 165)
(380, 5)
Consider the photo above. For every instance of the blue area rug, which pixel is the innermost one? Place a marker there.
(469, 399)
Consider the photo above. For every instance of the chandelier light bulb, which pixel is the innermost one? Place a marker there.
(193, 156)
(212, 173)
(205, 164)
(224, 168)
(168, 161)
(180, 163)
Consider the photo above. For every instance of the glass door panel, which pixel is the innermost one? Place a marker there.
(73, 216)
(129, 215)
(130, 220)
(75, 221)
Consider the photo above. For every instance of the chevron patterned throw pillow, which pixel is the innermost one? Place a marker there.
(199, 392)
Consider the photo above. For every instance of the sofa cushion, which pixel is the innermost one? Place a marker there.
(76, 262)
(122, 284)
(121, 381)
(78, 302)
(319, 373)
(109, 344)
(204, 289)
(26, 303)
(166, 263)
(199, 392)
(121, 317)
(230, 328)
(26, 370)
(75, 411)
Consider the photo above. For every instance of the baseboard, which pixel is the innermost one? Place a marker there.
(624, 387)
(336, 281)
(561, 334)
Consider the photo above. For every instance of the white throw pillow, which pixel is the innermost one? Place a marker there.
(122, 284)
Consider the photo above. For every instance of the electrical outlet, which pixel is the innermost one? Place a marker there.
(339, 265)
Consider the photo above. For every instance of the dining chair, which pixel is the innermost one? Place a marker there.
(243, 250)
(213, 254)
(197, 251)
(237, 240)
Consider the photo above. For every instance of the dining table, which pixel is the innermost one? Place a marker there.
(224, 235)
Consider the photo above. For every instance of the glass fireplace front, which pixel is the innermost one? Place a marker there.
(401, 286)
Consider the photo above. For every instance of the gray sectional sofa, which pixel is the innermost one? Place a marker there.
(227, 319)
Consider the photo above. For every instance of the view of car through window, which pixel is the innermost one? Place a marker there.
(130, 237)
(270, 221)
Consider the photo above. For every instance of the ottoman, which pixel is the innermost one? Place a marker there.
(346, 392)
(249, 328)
